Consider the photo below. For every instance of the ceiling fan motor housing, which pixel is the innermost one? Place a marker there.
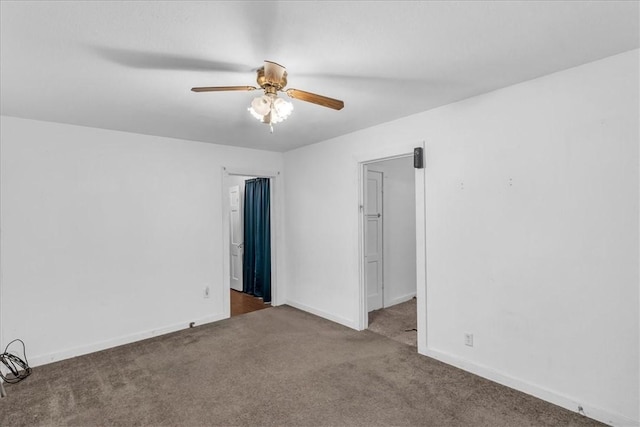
(272, 75)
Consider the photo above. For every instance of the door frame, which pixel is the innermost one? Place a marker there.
(383, 154)
(275, 223)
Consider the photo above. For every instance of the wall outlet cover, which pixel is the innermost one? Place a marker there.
(468, 340)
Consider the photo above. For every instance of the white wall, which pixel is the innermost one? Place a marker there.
(109, 237)
(399, 229)
(531, 228)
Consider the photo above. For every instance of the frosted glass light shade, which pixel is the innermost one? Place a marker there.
(256, 115)
(282, 109)
(261, 105)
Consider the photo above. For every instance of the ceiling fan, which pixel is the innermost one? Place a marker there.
(268, 108)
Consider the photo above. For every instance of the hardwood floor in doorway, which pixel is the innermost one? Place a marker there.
(242, 303)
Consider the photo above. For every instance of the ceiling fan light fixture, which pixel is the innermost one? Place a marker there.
(270, 109)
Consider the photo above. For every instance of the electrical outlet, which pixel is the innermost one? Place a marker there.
(468, 340)
(206, 292)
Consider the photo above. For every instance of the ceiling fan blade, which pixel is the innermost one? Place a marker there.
(221, 88)
(336, 104)
(273, 72)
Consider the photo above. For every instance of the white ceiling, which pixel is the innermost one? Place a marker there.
(129, 66)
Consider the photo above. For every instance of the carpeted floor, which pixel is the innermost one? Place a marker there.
(397, 322)
(276, 367)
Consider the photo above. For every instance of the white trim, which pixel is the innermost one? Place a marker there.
(127, 339)
(363, 314)
(386, 159)
(1, 261)
(257, 173)
(275, 191)
(399, 300)
(226, 252)
(421, 253)
(566, 402)
(332, 317)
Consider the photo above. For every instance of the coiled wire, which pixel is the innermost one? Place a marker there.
(19, 369)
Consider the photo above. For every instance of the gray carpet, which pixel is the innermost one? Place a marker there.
(397, 322)
(276, 367)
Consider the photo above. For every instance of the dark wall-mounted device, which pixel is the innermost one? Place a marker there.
(418, 160)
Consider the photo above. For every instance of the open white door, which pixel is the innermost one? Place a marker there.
(373, 240)
(236, 238)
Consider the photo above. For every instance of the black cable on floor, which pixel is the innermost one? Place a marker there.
(19, 368)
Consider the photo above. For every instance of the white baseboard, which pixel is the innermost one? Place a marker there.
(566, 402)
(399, 300)
(127, 339)
(337, 319)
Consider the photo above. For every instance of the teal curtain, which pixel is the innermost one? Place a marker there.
(257, 239)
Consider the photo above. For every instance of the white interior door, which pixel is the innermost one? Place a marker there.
(373, 240)
(236, 238)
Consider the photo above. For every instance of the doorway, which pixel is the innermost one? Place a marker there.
(249, 223)
(390, 252)
(397, 287)
(245, 209)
